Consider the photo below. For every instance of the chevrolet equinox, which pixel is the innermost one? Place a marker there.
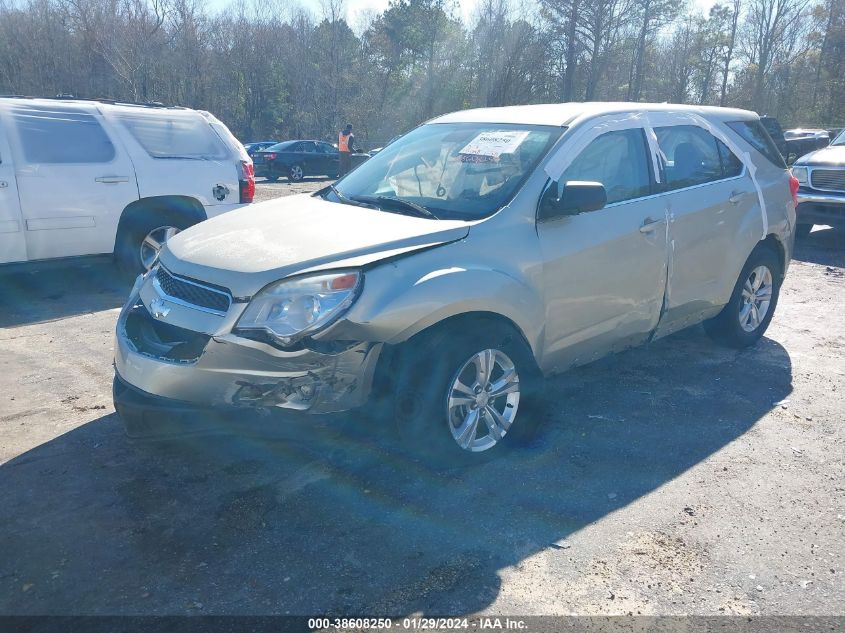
(470, 258)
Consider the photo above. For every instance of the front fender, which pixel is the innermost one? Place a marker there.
(397, 304)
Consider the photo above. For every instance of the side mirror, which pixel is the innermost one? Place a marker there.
(572, 198)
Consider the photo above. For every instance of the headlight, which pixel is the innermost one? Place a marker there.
(292, 308)
(801, 174)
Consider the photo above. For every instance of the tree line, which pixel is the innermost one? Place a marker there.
(270, 69)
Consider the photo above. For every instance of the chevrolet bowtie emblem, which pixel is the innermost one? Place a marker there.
(159, 308)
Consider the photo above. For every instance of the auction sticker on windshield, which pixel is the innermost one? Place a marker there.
(494, 143)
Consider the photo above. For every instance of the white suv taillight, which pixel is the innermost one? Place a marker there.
(246, 181)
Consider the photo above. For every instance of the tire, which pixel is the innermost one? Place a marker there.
(730, 327)
(426, 427)
(296, 173)
(803, 230)
(130, 240)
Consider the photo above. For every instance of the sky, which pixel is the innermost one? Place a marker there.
(355, 8)
(466, 7)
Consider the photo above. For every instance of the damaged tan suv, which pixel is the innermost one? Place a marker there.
(470, 258)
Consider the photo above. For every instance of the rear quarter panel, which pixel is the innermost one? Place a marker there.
(194, 178)
(779, 213)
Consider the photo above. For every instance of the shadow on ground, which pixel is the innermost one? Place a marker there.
(825, 246)
(330, 523)
(39, 292)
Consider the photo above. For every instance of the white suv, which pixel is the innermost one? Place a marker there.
(90, 177)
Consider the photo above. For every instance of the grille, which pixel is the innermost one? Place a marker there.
(831, 179)
(193, 293)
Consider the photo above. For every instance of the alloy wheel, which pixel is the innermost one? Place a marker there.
(483, 400)
(152, 244)
(296, 173)
(756, 298)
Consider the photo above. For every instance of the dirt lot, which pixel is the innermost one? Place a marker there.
(266, 190)
(679, 478)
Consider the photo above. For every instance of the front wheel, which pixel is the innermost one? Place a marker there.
(745, 318)
(463, 392)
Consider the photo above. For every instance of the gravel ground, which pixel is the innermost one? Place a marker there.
(266, 190)
(680, 478)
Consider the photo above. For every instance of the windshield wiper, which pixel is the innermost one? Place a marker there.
(345, 200)
(416, 209)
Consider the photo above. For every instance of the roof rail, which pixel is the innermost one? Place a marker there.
(68, 97)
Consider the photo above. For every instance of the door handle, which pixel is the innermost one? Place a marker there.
(649, 224)
(736, 196)
(3, 184)
(112, 180)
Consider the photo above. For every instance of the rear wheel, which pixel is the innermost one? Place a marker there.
(745, 318)
(296, 173)
(462, 394)
(141, 239)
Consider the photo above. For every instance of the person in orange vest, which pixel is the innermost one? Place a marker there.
(345, 145)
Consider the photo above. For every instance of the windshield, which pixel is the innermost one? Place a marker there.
(462, 171)
(840, 139)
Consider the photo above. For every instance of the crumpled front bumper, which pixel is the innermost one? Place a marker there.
(222, 369)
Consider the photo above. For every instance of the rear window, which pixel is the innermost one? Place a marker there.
(166, 134)
(753, 133)
(281, 147)
(62, 135)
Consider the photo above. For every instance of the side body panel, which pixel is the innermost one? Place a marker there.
(70, 208)
(708, 234)
(12, 240)
(604, 280)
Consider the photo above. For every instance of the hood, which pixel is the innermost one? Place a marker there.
(246, 249)
(832, 155)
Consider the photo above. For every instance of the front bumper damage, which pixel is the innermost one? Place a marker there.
(216, 368)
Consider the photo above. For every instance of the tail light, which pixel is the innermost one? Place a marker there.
(246, 181)
(270, 156)
(793, 188)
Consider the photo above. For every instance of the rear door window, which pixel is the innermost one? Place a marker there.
(174, 134)
(61, 135)
(753, 133)
(691, 156)
(619, 160)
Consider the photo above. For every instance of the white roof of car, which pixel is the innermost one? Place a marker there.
(87, 103)
(564, 113)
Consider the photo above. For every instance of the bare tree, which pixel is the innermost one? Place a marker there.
(269, 69)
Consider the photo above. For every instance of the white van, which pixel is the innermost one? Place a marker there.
(90, 177)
